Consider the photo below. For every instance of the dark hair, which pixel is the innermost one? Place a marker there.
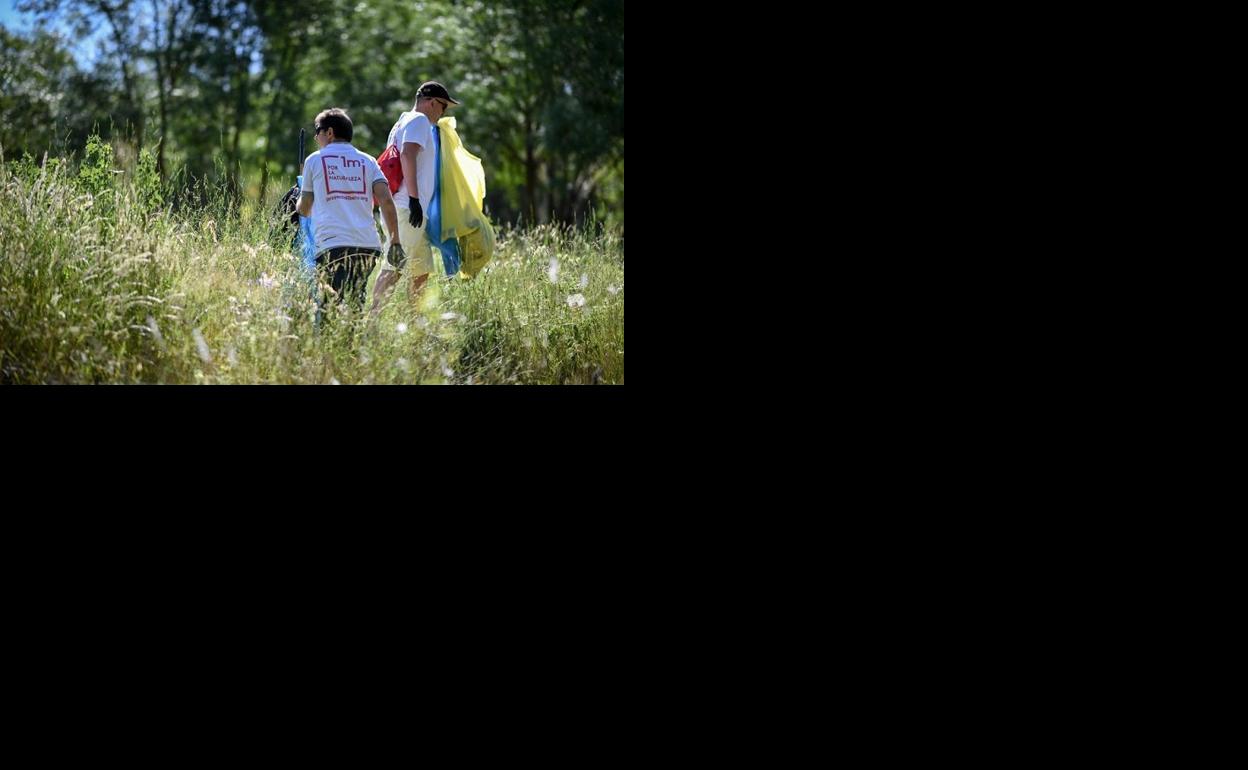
(338, 120)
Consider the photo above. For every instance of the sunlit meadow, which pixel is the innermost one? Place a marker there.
(101, 281)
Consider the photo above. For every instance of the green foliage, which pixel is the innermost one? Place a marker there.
(95, 175)
(217, 90)
(148, 188)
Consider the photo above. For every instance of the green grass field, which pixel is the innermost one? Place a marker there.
(101, 283)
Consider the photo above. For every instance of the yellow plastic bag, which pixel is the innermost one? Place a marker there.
(463, 196)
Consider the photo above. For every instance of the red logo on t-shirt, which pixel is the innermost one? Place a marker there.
(343, 175)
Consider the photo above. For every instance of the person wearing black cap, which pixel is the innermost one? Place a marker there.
(413, 137)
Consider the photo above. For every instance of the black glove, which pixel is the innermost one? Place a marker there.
(395, 256)
(414, 215)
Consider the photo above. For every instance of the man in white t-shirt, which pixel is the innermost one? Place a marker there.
(412, 136)
(339, 184)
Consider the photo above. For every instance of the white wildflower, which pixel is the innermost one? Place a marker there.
(201, 347)
(151, 324)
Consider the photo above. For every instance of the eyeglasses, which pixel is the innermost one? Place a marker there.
(322, 128)
(445, 104)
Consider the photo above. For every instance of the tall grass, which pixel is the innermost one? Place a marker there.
(102, 282)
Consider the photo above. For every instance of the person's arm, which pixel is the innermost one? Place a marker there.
(381, 191)
(407, 157)
(305, 203)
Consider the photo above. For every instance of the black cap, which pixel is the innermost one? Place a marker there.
(432, 89)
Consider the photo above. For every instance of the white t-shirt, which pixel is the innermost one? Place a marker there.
(415, 127)
(341, 180)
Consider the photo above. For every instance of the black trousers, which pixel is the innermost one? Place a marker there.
(346, 269)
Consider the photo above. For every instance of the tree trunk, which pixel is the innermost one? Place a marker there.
(552, 182)
(164, 117)
(135, 108)
(530, 171)
(283, 85)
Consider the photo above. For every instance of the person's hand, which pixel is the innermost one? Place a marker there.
(395, 256)
(414, 215)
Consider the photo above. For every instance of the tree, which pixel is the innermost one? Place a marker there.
(227, 83)
(46, 103)
(122, 46)
(173, 41)
(550, 79)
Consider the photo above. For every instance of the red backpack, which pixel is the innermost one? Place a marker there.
(391, 167)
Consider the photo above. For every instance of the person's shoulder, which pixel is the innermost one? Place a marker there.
(361, 153)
